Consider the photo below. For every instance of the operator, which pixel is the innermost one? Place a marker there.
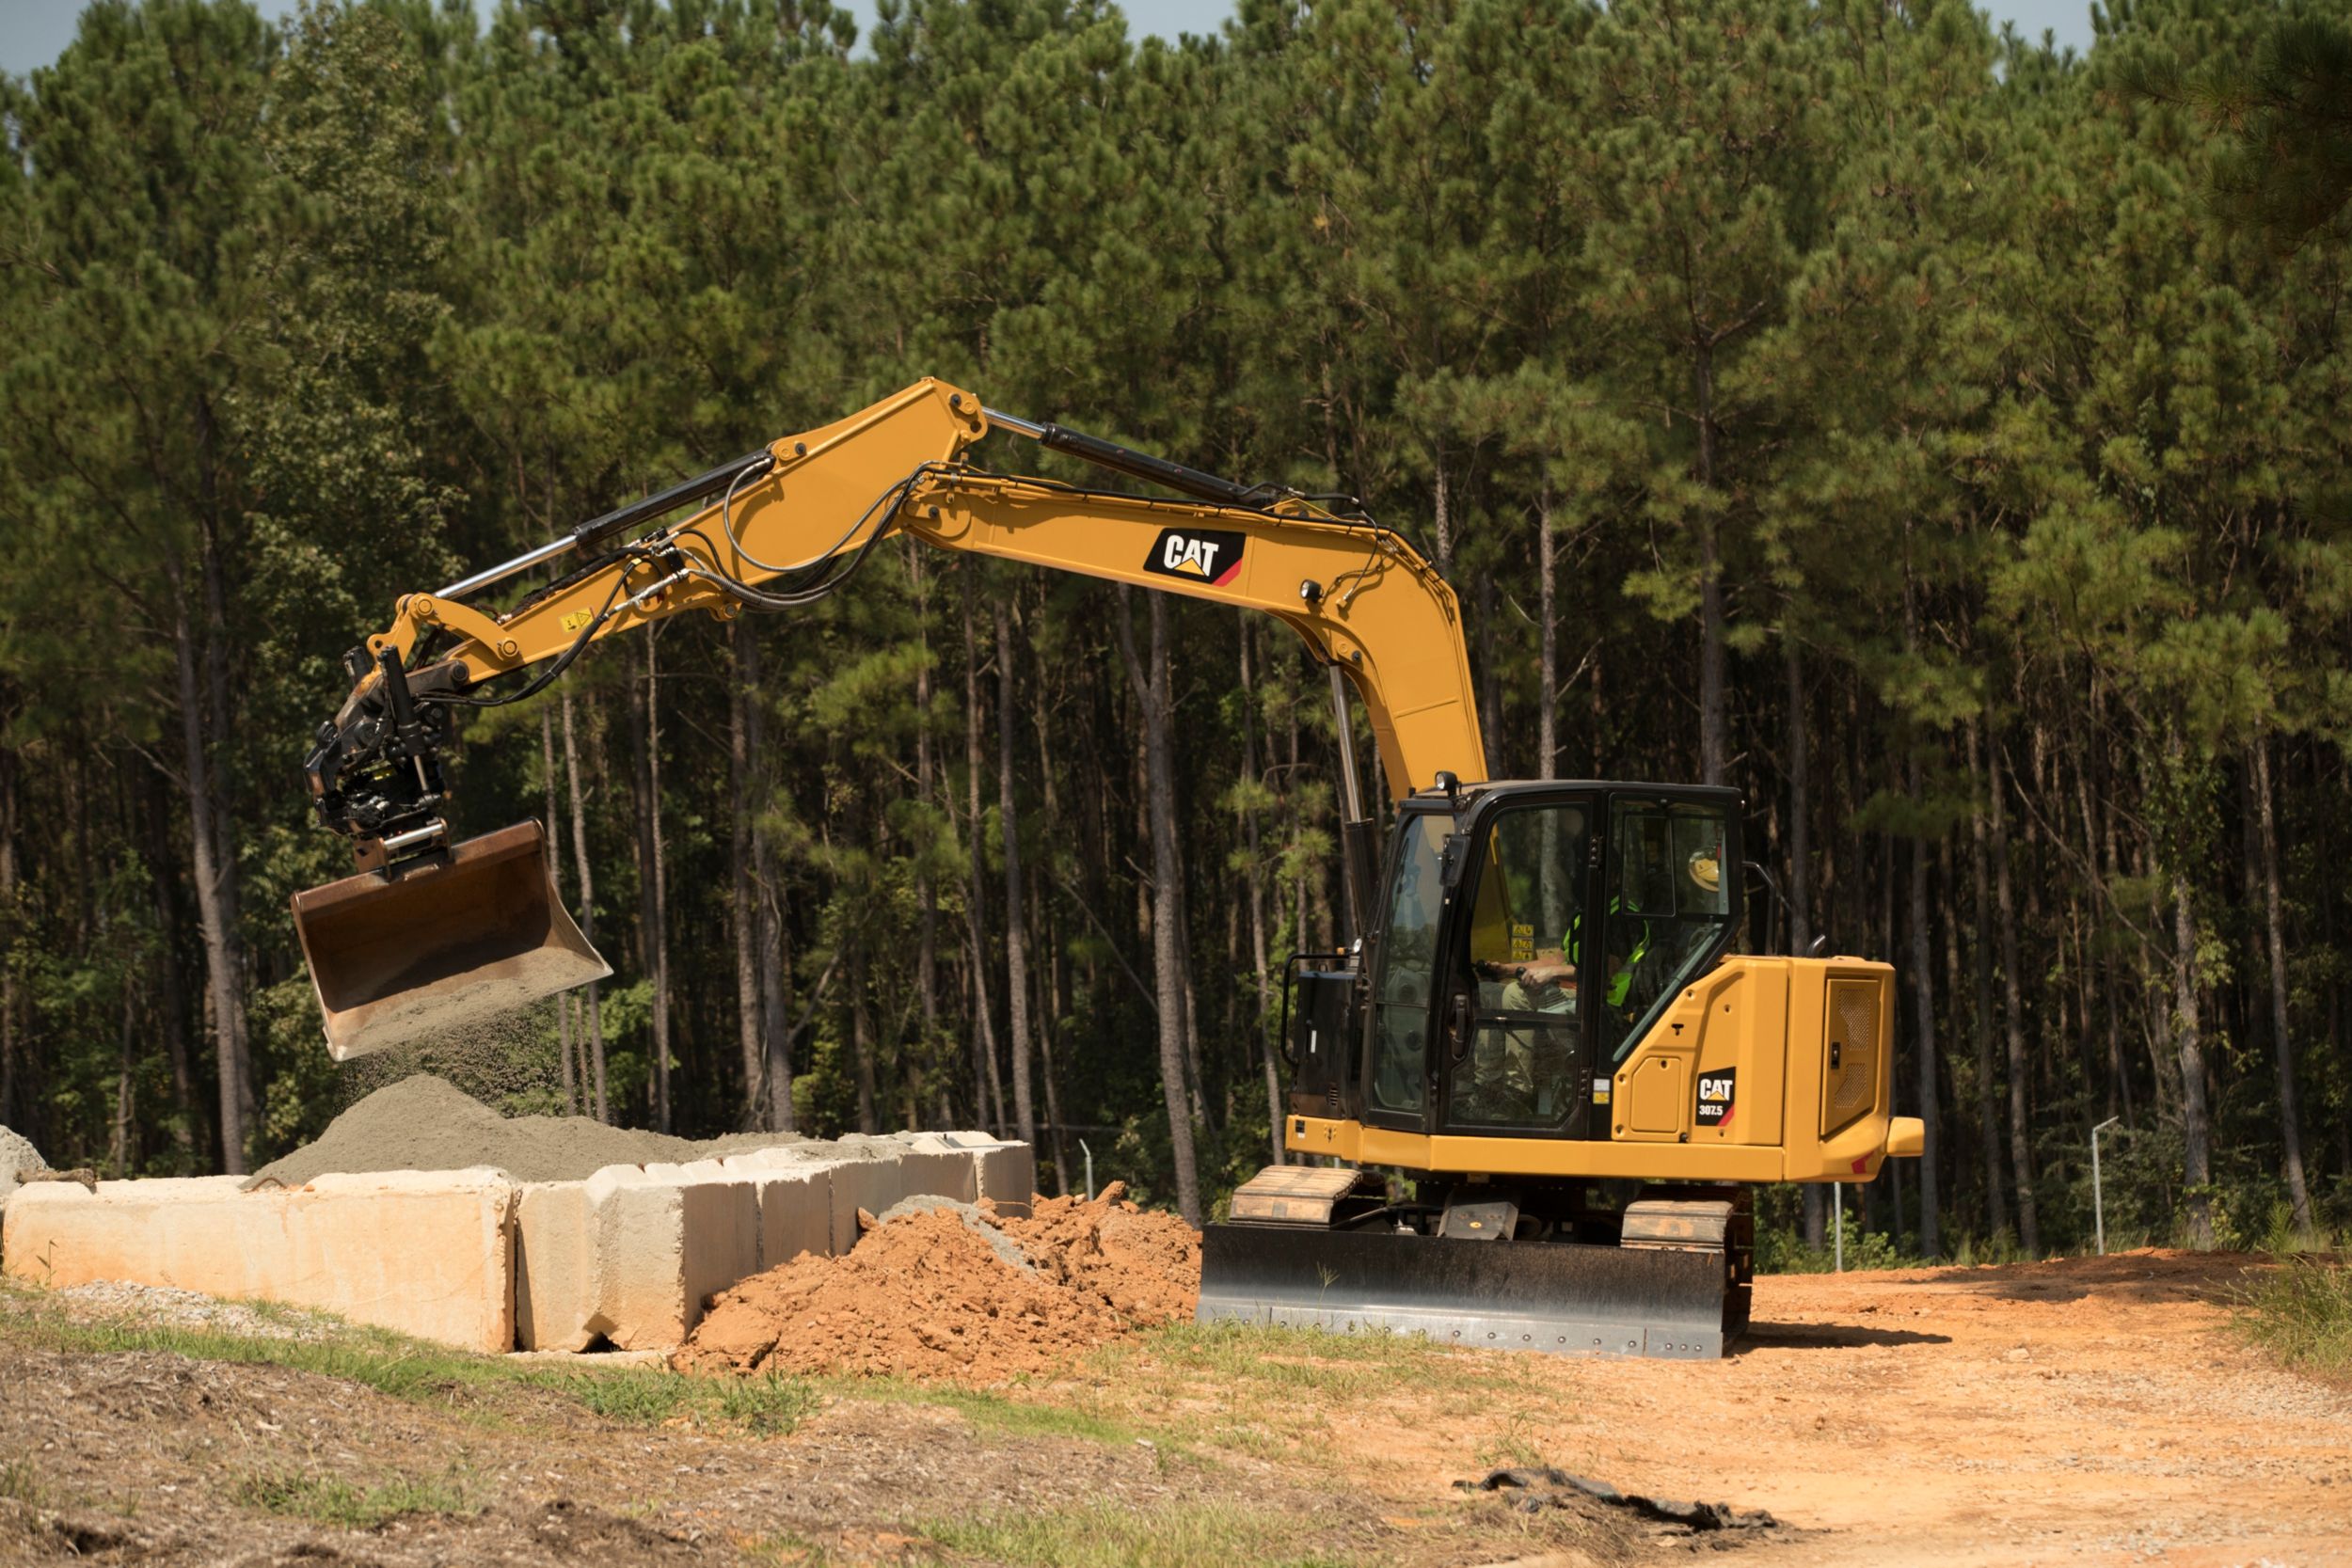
(1553, 970)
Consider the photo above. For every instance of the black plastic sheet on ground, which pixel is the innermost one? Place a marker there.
(1534, 1490)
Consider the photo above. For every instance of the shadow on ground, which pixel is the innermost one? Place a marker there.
(1827, 1337)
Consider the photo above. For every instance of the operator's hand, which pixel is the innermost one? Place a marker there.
(1550, 970)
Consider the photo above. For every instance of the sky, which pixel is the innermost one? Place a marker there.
(32, 32)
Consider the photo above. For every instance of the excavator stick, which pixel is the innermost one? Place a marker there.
(1681, 1295)
(440, 941)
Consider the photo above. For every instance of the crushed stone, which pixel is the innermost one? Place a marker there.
(167, 1306)
(427, 1123)
(926, 1295)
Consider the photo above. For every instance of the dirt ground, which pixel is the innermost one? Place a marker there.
(2092, 1411)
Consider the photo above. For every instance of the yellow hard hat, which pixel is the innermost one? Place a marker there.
(1706, 870)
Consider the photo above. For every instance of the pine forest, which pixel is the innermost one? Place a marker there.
(1934, 435)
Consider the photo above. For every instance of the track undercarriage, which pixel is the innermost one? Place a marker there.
(1530, 1266)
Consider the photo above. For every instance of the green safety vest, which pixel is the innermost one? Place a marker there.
(1621, 983)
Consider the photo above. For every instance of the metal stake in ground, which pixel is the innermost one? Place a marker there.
(2098, 1198)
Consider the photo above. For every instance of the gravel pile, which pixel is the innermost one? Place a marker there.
(428, 1123)
(162, 1307)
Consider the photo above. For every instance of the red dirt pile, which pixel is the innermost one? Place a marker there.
(925, 1296)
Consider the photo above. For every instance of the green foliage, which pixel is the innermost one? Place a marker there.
(2301, 1312)
(1830, 343)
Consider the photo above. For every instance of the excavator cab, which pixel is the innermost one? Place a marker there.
(1549, 1035)
(437, 944)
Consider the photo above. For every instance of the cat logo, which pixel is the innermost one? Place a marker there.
(1209, 557)
(1715, 1092)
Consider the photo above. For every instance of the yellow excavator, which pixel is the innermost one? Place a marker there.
(1529, 1099)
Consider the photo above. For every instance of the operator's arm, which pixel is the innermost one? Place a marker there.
(794, 520)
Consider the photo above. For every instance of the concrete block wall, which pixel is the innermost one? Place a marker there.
(629, 1257)
(426, 1253)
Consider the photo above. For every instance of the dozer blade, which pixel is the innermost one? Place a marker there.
(1558, 1297)
(440, 943)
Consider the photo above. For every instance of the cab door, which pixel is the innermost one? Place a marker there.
(1513, 1047)
(1407, 950)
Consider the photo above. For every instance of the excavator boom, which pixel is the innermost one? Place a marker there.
(1542, 996)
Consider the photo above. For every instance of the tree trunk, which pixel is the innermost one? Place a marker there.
(223, 725)
(1923, 997)
(2014, 1010)
(8, 1047)
(1547, 647)
(120, 1152)
(1052, 992)
(861, 1039)
(1714, 718)
(1055, 1127)
(1152, 692)
(776, 996)
(224, 958)
(171, 1004)
(926, 889)
(750, 1012)
(1269, 1049)
(2290, 1123)
(2188, 1039)
(1798, 743)
(555, 880)
(987, 1090)
(1923, 975)
(652, 895)
(2188, 1035)
(1947, 879)
(1016, 936)
(595, 1014)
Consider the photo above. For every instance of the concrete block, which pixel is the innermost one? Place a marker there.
(949, 1173)
(1006, 1172)
(795, 1212)
(554, 1268)
(872, 1184)
(428, 1253)
(661, 1240)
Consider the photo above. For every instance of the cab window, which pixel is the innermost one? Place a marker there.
(1668, 913)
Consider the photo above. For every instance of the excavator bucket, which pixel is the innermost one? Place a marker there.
(440, 943)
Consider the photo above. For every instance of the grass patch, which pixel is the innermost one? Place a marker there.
(417, 1373)
(1271, 1391)
(19, 1484)
(990, 1410)
(766, 1406)
(2301, 1312)
(1165, 1535)
(331, 1501)
(1282, 1360)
